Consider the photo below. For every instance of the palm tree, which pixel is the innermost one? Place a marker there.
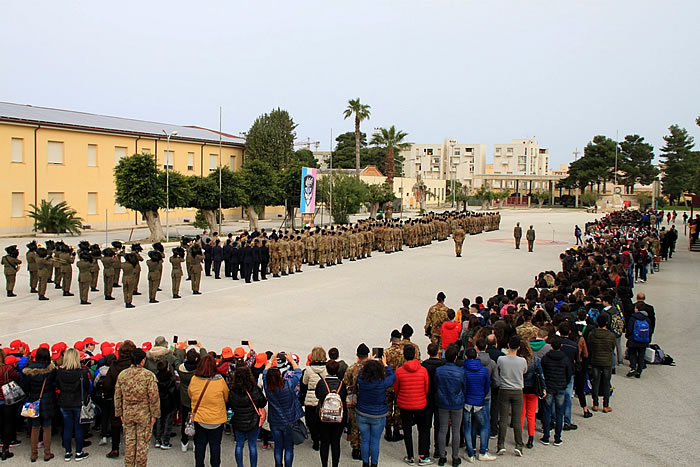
(392, 140)
(361, 112)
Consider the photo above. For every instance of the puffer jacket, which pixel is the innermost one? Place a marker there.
(34, 377)
(450, 332)
(186, 372)
(157, 354)
(477, 382)
(629, 332)
(490, 365)
(601, 343)
(371, 395)
(68, 383)
(245, 418)
(411, 386)
(312, 375)
(451, 384)
(284, 409)
(529, 378)
(557, 369)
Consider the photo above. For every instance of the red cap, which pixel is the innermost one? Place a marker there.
(83, 356)
(11, 360)
(79, 345)
(55, 355)
(97, 356)
(226, 352)
(239, 352)
(90, 340)
(59, 346)
(44, 345)
(260, 360)
(33, 354)
(106, 350)
(15, 345)
(146, 346)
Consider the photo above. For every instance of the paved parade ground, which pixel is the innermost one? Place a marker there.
(653, 421)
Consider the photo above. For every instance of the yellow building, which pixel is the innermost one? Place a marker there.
(62, 155)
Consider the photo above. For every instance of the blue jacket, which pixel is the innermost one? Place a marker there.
(371, 395)
(478, 383)
(450, 385)
(529, 378)
(284, 407)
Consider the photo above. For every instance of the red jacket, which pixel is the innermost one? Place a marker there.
(411, 385)
(450, 332)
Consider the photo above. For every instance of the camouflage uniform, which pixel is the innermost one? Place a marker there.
(350, 381)
(109, 267)
(458, 237)
(176, 274)
(405, 342)
(11, 266)
(394, 358)
(33, 270)
(437, 314)
(137, 402)
(84, 278)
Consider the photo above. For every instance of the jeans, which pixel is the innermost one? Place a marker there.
(71, 423)
(447, 416)
(204, 437)
(371, 430)
(630, 275)
(284, 447)
(493, 410)
(569, 393)
(601, 384)
(619, 351)
(640, 271)
(163, 427)
(330, 440)
(481, 418)
(510, 400)
(554, 401)
(636, 355)
(419, 418)
(252, 438)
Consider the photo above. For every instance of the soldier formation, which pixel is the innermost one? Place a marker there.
(253, 255)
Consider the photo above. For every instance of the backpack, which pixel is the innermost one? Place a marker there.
(640, 333)
(331, 410)
(617, 324)
(593, 313)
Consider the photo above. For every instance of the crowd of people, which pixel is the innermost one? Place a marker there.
(252, 255)
(491, 365)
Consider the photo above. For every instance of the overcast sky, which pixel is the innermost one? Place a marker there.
(479, 71)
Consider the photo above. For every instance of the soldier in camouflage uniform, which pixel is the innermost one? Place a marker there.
(322, 244)
(32, 266)
(458, 237)
(11, 264)
(84, 275)
(407, 333)
(437, 314)
(137, 403)
(350, 381)
(394, 358)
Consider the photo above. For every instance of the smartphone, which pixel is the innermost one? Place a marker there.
(244, 342)
(174, 339)
(192, 342)
(281, 356)
(378, 352)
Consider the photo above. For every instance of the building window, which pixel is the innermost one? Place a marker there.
(232, 162)
(55, 152)
(213, 162)
(145, 150)
(92, 155)
(119, 154)
(509, 150)
(168, 160)
(498, 150)
(17, 150)
(190, 161)
(469, 150)
(92, 203)
(119, 209)
(17, 204)
(430, 152)
(457, 153)
(54, 197)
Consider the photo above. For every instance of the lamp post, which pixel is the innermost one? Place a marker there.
(167, 184)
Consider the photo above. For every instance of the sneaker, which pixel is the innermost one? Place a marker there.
(406, 459)
(183, 447)
(103, 441)
(637, 375)
(607, 409)
(68, 457)
(471, 459)
(80, 456)
(442, 461)
(558, 443)
(570, 427)
(487, 457)
(158, 444)
(493, 435)
(456, 461)
(501, 451)
(587, 414)
(166, 446)
(425, 461)
(544, 441)
(518, 452)
(113, 454)
(630, 373)
(15, 443)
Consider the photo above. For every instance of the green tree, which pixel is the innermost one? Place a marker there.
(595, 167)
(140, 186)
(541, 196)
(378, 195)
(589, 198)
(271, 139)
(306, 157)
(348, 195)
(680, 164)
(485, 195)
(644, 199)
(361, 112)
(392, 140)
(205, 194)
(259, 188)
(344, 153)
(59, 218)
(635, 161)
(501, 197)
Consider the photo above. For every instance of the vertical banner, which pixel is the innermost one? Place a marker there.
(307, 200)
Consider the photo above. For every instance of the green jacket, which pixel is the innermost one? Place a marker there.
(601, 343)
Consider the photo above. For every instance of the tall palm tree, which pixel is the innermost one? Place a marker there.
(393, 140)
(361, 112)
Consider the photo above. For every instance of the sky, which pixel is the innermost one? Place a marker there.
(483, 72)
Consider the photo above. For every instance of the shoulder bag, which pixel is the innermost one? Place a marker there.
(87, 408)
(262, 413)
(189, 424)
(11, 391)
(31, 409)
(539, 388)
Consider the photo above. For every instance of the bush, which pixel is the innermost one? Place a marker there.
(60, 218)
(589, 199)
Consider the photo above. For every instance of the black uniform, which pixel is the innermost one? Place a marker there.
(264, 260)
(235, 260)
(227, 258)
(207, 248)
(217, 255)
(247, 255)
(256, 262)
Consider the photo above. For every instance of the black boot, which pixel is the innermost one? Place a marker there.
(6, 454)
(356, 455)
(10, 294)
(530, 442)
(387, 434)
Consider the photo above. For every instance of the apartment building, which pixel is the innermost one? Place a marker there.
(62, 155)
(445, 161)
(520, 157)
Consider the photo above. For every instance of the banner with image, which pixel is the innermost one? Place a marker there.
(307, 200)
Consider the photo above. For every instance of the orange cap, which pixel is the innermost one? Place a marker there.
(239, 352)
(226, 352)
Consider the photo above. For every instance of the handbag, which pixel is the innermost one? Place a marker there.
(12, 392)
(299, 431)
(262, 413)
(539, 389)
(87, 408)
(31, 409)
(189, 424)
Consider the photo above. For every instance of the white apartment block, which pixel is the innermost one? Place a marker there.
(521, 157)
(445, 161)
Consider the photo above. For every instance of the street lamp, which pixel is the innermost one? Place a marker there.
(167, 184)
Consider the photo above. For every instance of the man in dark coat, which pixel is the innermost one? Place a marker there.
(217, 256)
(256, 260)
(235, 260)
(247, 255)
(207, 248)
(227, 257)
(558, 371)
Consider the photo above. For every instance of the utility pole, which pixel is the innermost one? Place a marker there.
(576, 153)
(220, 170)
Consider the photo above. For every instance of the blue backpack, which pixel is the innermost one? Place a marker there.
(640, 333)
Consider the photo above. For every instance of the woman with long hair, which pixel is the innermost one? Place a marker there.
(315, 371)
(208, 392)
(73, 383)
(331, 432)
(40, 385)
(534, 370)
(246, 400)
(285, 409)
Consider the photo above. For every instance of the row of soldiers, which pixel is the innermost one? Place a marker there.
(254, 254)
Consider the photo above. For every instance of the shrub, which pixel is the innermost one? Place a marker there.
(60, 218)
